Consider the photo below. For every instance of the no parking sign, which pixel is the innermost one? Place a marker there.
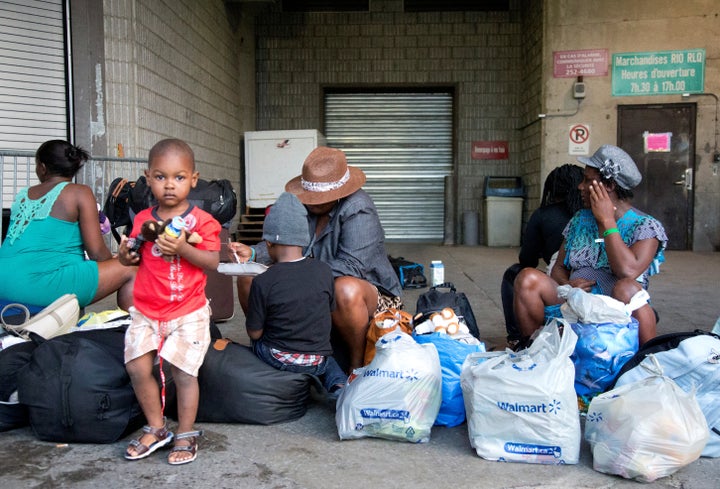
(579, 139)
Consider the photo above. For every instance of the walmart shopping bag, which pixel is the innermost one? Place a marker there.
(396, 396)
(522, 407)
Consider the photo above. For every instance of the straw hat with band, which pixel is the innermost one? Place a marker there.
(326, 177)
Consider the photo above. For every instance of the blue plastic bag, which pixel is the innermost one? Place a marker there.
(452, 354)
(600, 352)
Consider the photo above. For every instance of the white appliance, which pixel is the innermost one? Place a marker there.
(272, 158)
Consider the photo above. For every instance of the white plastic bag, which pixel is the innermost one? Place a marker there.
(692, 361)
(396, 396)
(645, 430)
(584, 307)
(522, 407)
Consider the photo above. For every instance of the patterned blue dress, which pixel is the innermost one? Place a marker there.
(586, 257)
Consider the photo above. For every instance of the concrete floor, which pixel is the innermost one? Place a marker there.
(308, 454)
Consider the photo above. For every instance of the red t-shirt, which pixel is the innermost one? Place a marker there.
(168, 290)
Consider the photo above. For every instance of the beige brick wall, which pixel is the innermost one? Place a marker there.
(638, 26)
(530, 97)
(479, 53)
(179, 68)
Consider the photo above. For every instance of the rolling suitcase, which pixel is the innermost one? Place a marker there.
(219, 288)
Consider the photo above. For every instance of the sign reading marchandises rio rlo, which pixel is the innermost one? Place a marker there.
(658, 73)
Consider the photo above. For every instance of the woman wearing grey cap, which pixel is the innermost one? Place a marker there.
(609, 247)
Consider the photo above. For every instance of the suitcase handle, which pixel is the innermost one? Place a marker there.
(445, 285)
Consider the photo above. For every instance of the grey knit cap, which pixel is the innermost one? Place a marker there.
(286, 223)
(614, 163)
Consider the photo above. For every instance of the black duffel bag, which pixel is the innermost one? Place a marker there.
(12, 360)
(76, 388)
(238, 387)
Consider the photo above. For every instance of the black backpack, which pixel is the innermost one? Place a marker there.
(125, 199)
(411, 274)
(217, 197)
(117, 207)
(435, 300)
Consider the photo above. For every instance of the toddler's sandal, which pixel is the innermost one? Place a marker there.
(192, 448)
(162, 438)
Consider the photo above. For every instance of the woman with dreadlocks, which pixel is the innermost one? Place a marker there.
(543, 234)
(609, 247)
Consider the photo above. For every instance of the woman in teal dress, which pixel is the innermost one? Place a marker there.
(54, 245)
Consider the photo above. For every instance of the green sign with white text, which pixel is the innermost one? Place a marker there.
(658, 73)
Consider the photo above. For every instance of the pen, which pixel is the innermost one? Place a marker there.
(237, 258)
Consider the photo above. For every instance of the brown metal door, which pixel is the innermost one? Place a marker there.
(666, 190)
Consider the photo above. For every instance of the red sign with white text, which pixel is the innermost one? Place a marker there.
(490, 150)
(584, 62)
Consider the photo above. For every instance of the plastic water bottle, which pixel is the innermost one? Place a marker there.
(437, 272)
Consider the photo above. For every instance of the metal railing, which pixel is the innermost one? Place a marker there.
(17, 170)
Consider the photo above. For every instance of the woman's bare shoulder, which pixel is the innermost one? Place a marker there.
(78, 191)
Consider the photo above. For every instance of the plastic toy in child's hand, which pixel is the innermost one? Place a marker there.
(134, 244)
(104, 221)
(151, 230)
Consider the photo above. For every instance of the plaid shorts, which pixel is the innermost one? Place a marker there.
(303, 359)
(387, 301)
(185, 339)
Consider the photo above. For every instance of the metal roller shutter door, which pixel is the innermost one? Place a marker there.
(33, 100)
(403, 142)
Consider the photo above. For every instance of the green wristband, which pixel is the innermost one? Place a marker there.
(252, 256)
(610, 231)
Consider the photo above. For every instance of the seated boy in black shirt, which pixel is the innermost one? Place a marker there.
(290, 305)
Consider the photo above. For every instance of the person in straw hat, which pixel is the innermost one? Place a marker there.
(609, 247)
(344, 232)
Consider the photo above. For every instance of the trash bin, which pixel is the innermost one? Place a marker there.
(503, 210)
(470, 228)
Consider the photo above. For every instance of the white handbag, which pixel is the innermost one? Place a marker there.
(56, 319)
